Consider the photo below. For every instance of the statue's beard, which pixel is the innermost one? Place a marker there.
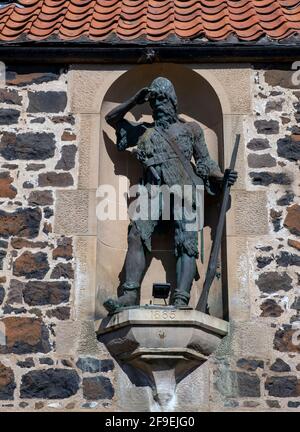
(164, 116)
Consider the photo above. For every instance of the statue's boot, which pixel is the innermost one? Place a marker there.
(128, 298)
(181, 299)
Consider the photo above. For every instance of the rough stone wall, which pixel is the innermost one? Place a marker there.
(41, 367)
(257, 368)
(38, 156)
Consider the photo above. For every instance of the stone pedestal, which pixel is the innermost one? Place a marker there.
(162, 344)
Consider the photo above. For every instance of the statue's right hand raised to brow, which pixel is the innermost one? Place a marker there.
(142, 96)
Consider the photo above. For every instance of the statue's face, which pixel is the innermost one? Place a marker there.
(161, 105)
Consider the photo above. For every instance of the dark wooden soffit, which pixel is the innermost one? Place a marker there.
(40, 53)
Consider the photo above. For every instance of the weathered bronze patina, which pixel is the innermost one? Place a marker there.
(165, 148)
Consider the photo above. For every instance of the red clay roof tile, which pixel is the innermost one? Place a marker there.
(152, 20)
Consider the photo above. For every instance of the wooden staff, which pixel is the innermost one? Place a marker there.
(213, 259)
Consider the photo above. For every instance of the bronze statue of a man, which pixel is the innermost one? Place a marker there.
(165, 148)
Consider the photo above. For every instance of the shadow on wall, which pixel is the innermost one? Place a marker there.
(197, 101)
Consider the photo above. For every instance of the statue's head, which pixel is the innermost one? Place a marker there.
(163, 99)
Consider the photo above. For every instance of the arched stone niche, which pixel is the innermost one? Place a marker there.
(198, 101)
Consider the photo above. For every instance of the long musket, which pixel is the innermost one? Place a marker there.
(213, 259)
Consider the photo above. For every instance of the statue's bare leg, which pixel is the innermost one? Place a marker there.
(135, 264)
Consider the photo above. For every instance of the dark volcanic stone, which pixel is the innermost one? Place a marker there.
(47, 361)
(24, 336)
(258, 144)
(64, 249)
(15, 292)
(7, 383)
(63, 270)
(19, 243)
(273, 403)
(10, 97)
(270, 309)
(9, 116)
(286, 199)
(55, 179)
(35, 167)
(24, 222)
(286, 259)
(93, 365)
(6, 189)
(287, 340)
(280, 366)
(39, 120)
(271, 282)
(267, 127)
(2, 294)
(49, 384)
(265, 178)
(292, 404)
(292, 220)
(28, 185)
(295, 304)
(261, 161)
(63, 119)
(96, 388)
(42, 198)
(248, 385)
(31, 266)
(49, 102)
(288, 148)
(61, 313)
(3, 244)
(250, 364)
(27, 363)
(3, 254)
(274, 105)
(42, 293)
(67, 160)
(48, 212)
(280, 77)
(283, 386)
(24, 79)
(263, 261)
(27, 145)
